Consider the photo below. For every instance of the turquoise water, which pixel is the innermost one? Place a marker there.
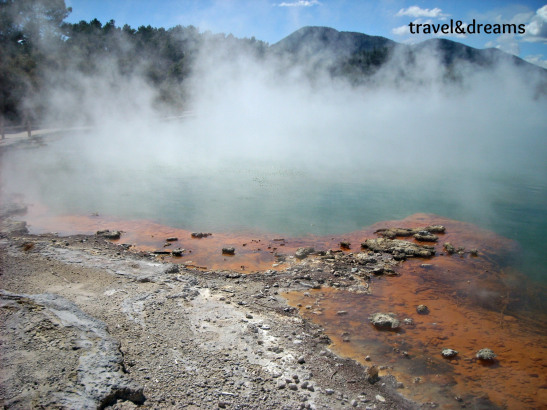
(279, 196)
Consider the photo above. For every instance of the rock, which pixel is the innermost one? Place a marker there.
(381, 399)
(329, 392)
(425, 236)
(345, 245)
(200, 235)
(372, 374)
(408, 321)
(342, 312)
(161, 252)
(486, 354)
(301, 253)
(392, 233)
(398, 247)
(228, 251)
(449, 353)
(172, 239)
(422, 309)
(301, 360)
(172, 268)
(449, 248)
(474, 252)
(384, 320)
(177, 252)
(378, 270)
(109, 234)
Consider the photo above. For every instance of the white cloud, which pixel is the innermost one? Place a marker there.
(537, 59)
(415, 11)
(300, 3)
(401, 30)
(536, 29)
(507, 43)
(520, 18)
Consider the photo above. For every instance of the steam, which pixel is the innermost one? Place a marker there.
(265, 139)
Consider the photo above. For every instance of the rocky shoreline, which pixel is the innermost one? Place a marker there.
(87, 323)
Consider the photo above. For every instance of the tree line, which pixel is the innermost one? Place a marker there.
(36, 41)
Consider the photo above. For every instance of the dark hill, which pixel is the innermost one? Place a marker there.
(357, 54)
(321, 40)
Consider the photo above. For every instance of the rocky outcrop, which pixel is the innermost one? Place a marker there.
(392, 233)
(70, 360)
(400, 249)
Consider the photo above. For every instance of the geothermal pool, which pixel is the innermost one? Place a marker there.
(182, 187)
(493, 300)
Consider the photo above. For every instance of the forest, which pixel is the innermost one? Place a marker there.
(35, 41)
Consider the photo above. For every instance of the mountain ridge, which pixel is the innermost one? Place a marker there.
(329, 42)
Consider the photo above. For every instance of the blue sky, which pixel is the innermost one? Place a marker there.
(271, 20)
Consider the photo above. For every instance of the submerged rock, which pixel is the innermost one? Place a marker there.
(486, 354)
(398, 247)
(301, 253)
(228, 251)
(384, 320)
(449, 353)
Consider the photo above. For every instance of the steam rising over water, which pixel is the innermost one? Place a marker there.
(280, 153)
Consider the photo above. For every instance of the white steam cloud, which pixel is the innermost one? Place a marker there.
(266, 139)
